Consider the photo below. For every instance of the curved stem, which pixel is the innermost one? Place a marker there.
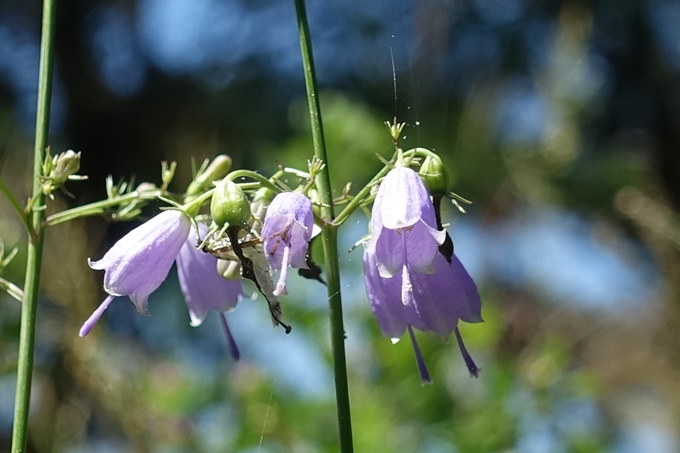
(253, 175)
(35, 240)
(99, 207)
(15, 204)
(329, 237)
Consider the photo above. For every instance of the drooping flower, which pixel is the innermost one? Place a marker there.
(139, 262)
(204, 288)
(405, 237)
(438, 301)
(410, 283)
(287, 231)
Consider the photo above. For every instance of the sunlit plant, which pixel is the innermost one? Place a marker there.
(230, 225)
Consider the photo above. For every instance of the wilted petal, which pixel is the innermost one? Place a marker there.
(286, 232)
(203, 288)
(139, 262)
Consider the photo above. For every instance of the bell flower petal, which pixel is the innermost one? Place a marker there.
(140, 261)
(203, 288)
(286, 233)
(432, 303)
(403, 225)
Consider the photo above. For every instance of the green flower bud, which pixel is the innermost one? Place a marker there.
(218, 169)
(229, 270)
(229, 204)
(434, 176)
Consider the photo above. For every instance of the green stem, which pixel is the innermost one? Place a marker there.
(100, 207)
(329, 237)
(253, 175)
(15, 203)
(35, 240)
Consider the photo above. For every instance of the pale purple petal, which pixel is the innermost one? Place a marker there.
(202, 286)
(403, 225)
(445, 296)
(385, 299)
(287, 231)
(403, 200)
(139, 262)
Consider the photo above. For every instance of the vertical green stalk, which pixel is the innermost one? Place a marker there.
(329, 236)
(36, 234)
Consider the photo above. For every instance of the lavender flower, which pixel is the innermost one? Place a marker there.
(409, 283)
(404, 231)
(138, 263)
(286, 232)
(439, 300)
(204, 288)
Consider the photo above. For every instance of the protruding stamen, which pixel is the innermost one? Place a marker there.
(281, 284)
(406, 287)
(231, 343)
(94, 317)
(471, 366)
(422, 368)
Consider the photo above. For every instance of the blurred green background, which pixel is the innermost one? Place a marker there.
(559, 119)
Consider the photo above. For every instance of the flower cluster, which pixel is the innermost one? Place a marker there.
(138, 263)
(409, 281)
(413, 278)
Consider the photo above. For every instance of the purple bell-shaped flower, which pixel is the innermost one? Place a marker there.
(140, 261)
(409, 283)
(286, 232)
(204, 288)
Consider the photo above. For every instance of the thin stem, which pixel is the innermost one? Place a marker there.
(100, 207)
(360, 197)
(35, 240)
(15, 203)
(264, 182)
(329, 236)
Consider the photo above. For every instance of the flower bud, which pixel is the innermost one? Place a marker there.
(65, 165)
(146, 187)
(261, 201)
(218, 169)
(229, 204)
(434, 175)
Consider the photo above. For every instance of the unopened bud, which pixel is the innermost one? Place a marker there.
(218, 169)
(261, 201)
(229, 204)
(65, 165)
(434, 175)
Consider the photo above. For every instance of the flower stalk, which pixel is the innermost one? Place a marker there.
(329, 235)
(36, 233)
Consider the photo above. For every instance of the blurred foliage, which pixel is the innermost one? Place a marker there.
(558, 119)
